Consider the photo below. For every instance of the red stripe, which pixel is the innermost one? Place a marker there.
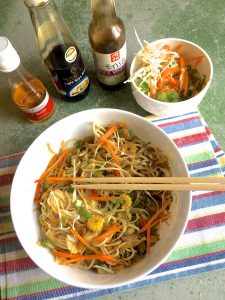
(6, 179)
(205, 222)
(217, 149)
(17, 265)
(205, 195)
(208, 130)
(19, 154)
(8, 240)
(191, 139)
(179, 121)
(200, 162)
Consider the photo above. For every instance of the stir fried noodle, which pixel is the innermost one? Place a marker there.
(95, 229)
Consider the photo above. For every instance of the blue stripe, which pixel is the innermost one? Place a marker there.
(220, 155)
(189, 262)
(171, 128)
(207, 173)
(9, 162)
(10, 246)
(208, 201)
(214, 144)
(203, 164)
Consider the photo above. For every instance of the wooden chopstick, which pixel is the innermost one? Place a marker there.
(152, 183)
(216, 180)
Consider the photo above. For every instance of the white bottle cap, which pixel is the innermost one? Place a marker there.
(9, 59)
(33, 3)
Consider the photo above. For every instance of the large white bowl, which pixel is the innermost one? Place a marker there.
(33, 164)
(205, 67)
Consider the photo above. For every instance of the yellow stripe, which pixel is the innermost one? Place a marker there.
(204, 214)
(7, 227)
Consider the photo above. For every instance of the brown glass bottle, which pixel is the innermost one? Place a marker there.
(108, 42)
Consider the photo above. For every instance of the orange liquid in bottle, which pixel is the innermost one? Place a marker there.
(28, 95)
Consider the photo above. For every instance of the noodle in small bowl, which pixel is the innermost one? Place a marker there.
(98, 239)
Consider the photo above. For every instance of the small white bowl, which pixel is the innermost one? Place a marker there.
(33, 163)
(156, 107)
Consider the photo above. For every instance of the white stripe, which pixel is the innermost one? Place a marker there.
(196, 149)
(206, 211)
(204, 236)
(8, 170)
(186, 132)
(24, 277)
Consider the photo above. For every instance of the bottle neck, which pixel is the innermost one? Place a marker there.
(18, 75)
(103, 12)
(50, 27)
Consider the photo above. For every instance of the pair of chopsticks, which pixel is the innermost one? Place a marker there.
(151, 183)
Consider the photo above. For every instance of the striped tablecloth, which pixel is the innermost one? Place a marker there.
(201, 249)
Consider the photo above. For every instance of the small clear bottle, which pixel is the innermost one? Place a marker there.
(108, 41)
(28, 92)
(58, 49)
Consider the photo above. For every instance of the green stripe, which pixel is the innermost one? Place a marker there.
(32, 287)
(201, 156)
(193, 251)
(4, 201)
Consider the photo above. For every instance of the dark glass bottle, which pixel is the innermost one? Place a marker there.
(58, 50)
(108, 42)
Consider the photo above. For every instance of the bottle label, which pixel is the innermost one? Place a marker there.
(40, 112)
(71, 54)
(111, 68)
(73, 80)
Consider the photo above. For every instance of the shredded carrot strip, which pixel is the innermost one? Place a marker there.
(155, 216)
(82, 240)
(52, 167)
(148, 239)
(111, 151)
(37, 193)
(108, 133)
(166, 47)
(62, 166)
(159, 83)
(52, 160)
(109, 232)
(177, 48)
(183, 75)
(101, 257)
(64, 254)
(172, 82)
(152, 89)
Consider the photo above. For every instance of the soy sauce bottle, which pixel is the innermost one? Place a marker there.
(59, 52)
(108, 41)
